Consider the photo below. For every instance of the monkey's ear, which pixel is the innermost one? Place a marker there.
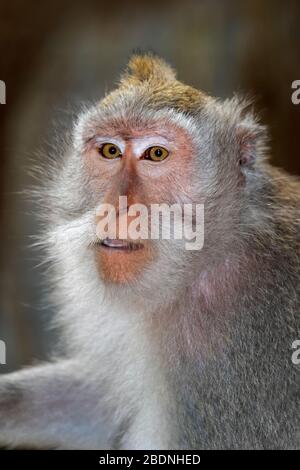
(252, 138)
(248, 142)
(144, 67)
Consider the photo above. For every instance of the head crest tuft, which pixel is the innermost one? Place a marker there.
(143, 67)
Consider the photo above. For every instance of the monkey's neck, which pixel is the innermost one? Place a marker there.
(197, 322)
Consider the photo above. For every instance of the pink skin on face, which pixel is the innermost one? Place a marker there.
(141, 181)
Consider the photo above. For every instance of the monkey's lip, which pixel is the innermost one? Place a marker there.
(116, 244)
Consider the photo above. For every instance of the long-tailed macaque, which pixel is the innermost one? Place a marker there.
(166, 347)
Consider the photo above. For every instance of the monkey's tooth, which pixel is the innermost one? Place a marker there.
(114, 243)
(121, 244)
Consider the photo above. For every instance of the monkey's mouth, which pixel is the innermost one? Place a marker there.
(116, 244)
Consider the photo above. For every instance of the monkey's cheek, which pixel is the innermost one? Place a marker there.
(122, 266)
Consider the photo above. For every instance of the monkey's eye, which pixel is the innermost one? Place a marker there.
(156, 154)
(110, 151)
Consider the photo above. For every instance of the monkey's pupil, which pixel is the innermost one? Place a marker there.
(158, 152)
(112, 150)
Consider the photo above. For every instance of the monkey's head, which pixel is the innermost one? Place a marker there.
(152, 141)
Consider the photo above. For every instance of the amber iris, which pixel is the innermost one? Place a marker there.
(110, 151)
(156, 154)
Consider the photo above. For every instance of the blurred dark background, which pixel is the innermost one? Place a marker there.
(56, 55)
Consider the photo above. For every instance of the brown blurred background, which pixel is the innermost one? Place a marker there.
(56, 55)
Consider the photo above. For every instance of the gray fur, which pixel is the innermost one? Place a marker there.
(197, 352)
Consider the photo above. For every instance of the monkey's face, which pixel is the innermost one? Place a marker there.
(129, 162)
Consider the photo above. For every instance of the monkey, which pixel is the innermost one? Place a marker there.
(163, 347)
